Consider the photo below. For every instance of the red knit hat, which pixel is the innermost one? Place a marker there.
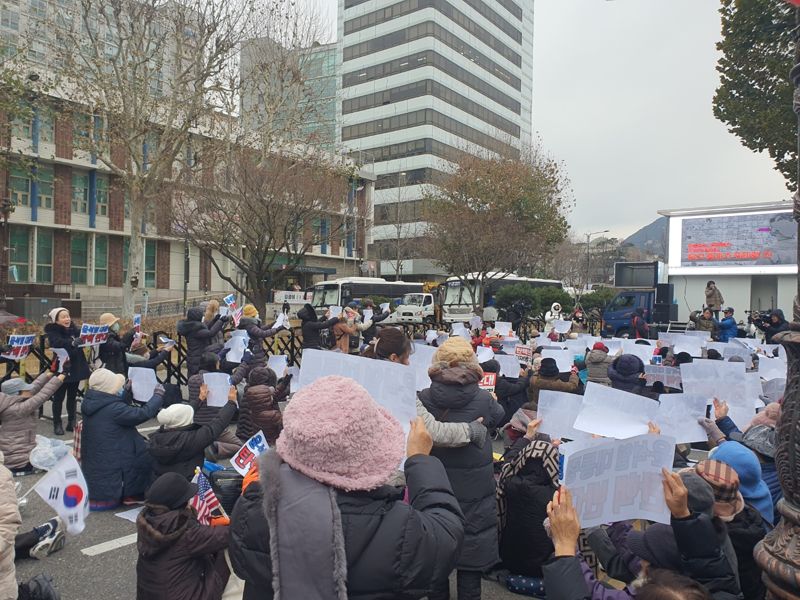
(600, 346)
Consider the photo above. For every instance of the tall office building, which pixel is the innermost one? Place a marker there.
(422, 81)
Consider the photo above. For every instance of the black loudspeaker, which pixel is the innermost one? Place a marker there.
(664, 293)
(664, 312)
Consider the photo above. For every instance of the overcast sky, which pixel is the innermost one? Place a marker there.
(622, 95)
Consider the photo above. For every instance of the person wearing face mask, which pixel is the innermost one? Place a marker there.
(391, 344)
(114, 457)
(63, 333)
(112, 352)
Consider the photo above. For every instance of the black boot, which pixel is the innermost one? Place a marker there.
(57, 428)
(71, 424)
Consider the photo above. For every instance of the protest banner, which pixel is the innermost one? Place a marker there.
(692, 345)
(278, 363)
(502, 328)
(20, 347)
(230, 301)
(562, 326)
(614, 346)
(488, 382)
(558, 411)
(246, 456)
(93, 335)
(677, 417)
(614, 413)
(63, 358)
(669, 376)
(509, 365)
(523, 353)
(509, 344)
(564, 358)
(392, 385)
(753, 388)
(618, 480)
(143, 382)
(295, 382)
(218, 386)
(703, 336)
(385, 307)
(137, 323)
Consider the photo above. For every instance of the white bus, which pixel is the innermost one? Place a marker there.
(341, 292)
(458, 298)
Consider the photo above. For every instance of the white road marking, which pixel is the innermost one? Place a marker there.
(121, 542)
(142, 430)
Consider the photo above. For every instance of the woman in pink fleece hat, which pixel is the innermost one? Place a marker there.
(322, 506)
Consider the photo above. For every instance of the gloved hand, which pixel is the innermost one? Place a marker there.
(247, 357)
(714, 433)
(478, 433)
(225, 318)
(158, 390)
(76, 342)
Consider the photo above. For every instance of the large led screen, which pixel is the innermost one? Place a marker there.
(741, 240)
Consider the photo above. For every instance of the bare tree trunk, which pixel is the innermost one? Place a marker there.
(135, 255)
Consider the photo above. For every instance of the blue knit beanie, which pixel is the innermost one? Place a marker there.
(743, 460)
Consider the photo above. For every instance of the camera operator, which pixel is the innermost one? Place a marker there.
(770, 323)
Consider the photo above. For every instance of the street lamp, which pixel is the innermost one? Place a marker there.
(589, 236)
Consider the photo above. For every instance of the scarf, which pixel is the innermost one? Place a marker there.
(305, 534)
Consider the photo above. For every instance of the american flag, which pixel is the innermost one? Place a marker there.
(205, 501)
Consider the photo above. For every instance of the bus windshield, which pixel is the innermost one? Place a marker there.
(413, 299)
(325, 295)
(457, 293)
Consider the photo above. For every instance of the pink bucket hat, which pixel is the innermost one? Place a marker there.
(335, 433)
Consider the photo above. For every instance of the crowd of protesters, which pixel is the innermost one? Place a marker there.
(326, 513)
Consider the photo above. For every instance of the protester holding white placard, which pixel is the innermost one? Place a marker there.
(614, 413)
(454, 396)
(393, 346)
(557, 412)
(511, 389)
(597, 362)
(548, 377)
(178, 446)
(312, 326)
(259, 410)
(251, 323)
(199, 337)
(626, 373)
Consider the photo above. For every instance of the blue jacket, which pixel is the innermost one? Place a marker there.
(114, 455)
(727, 329)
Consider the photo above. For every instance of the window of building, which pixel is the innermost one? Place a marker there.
(9, 19)
(19, 182)
(79, 257)
(150, 263)
(80, 193)
(39, 9)
(46, 126)
(18, 238)
(22, 124)
(102, 195)
(37, 51)
(44, 174)
(9, 44)
(44, 256)
(80, 129)
(101, 260)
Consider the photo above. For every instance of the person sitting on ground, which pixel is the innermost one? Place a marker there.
(114, 456)
(179, 559)
(597, 362)
(41, 586)
(179, 444)
(549, 378)
(322, 507)
(259, 410)
(19, 407)
(626, 373)
(705, 321)
(226, 443)
(311, 326)
(198, 336)
(527, 481)
(251, 323)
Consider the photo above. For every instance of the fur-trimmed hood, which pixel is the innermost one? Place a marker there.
(461, 374)
(453, 386)
(159, 528)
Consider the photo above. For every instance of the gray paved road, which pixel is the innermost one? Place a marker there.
(110, 574)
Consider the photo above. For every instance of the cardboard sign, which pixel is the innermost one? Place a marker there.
(618, 480)
(614, 413)
(244, 459)
(20, 347)
(488, 382)
(523, 353)
(558, 411)
(93, 335)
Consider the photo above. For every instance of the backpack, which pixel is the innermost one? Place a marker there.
(326, 339)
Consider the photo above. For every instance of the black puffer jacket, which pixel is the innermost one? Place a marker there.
(203, 413)
(68, 338)
(394, 550)
(257, 335)
(511, 392)
(454, 397)
(112, 353)
(370, 332)
(177, 556)
(625, 374)
(525, 546)
(745, 531)
(771, 329)
(198, 336)
(181, 450)
(311, 326)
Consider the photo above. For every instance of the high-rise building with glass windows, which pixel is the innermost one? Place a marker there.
(422, 81)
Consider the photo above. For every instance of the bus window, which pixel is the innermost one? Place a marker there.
(326, 295)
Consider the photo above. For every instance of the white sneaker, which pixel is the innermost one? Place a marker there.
(52, 541)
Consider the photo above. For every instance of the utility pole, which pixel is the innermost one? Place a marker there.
(185, 271)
